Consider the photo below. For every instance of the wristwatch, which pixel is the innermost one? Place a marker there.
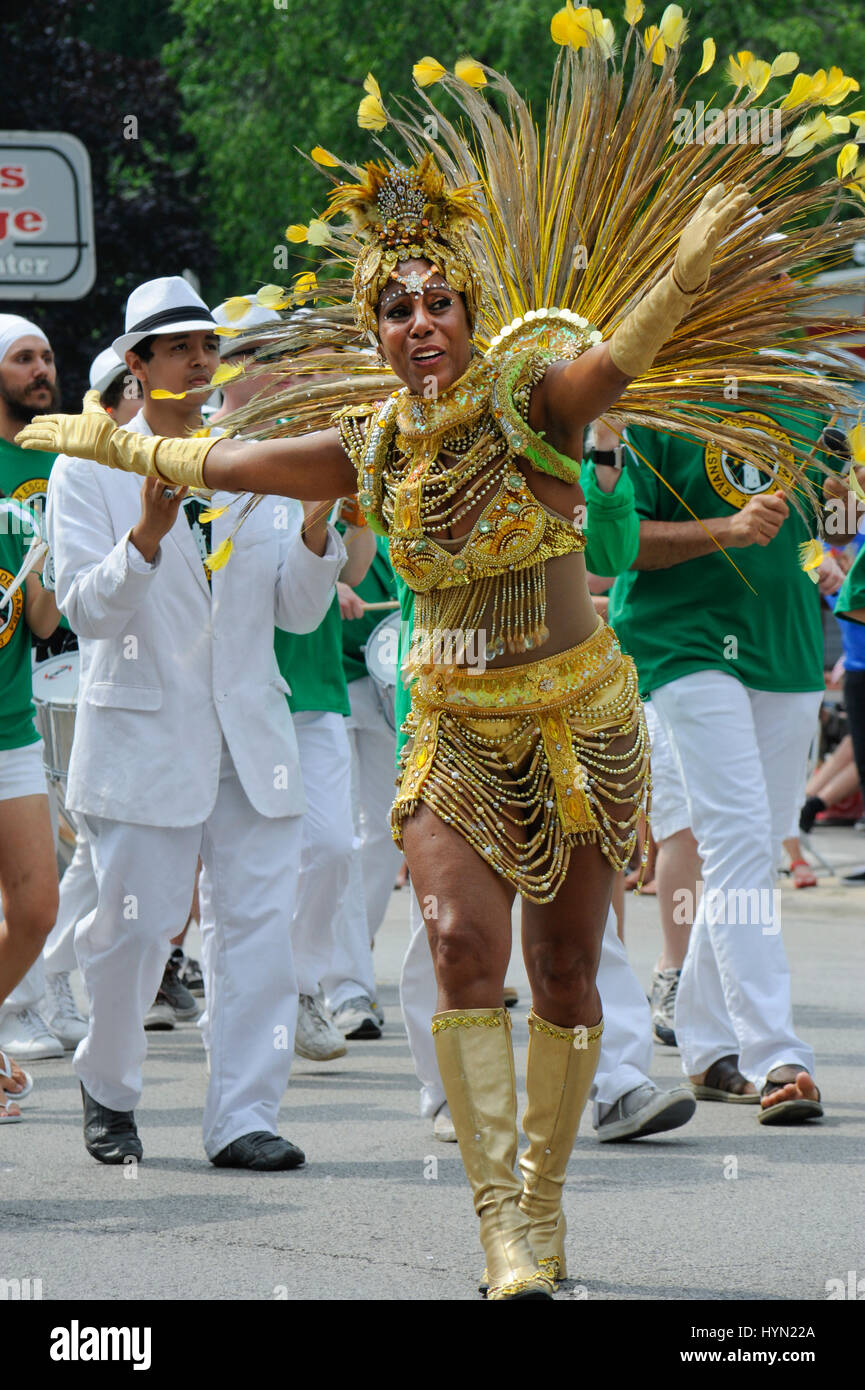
(611, 457)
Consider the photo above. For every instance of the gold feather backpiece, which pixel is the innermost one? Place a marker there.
(583, 211)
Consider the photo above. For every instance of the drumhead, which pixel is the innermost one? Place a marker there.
(382, 648)
(55, 681)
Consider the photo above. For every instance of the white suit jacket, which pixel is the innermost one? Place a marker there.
(167, 667)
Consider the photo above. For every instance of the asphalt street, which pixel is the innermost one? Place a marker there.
(724, 1209)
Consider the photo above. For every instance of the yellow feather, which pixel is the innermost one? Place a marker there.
(318, 233)
(673, 26)
(296, 232)
(227, 332)
(271, 297)
(737, 68)
(237, 307)
(323, 156)
(811, 555)
(467, 70)
(708, 56)
(784, 63)
(846, 161)
(427, 71)
(371, 115)
(654, 44)
(213, 512)
(856, 440)
(370, 85)
(220, 556)
(160, 395)
(634, 10)
(838, 87)
(226, 372)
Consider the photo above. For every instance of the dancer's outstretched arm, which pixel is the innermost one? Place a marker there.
(310, 467)
(572, 394)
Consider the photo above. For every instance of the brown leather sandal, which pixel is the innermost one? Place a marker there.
(787, 1112)
(724, 1081)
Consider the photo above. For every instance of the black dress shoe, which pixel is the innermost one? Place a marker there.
(109, 1135)
(260, 1150)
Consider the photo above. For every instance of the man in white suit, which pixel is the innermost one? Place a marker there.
(183, 747)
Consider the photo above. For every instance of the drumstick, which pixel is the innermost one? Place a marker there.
(38, 549)
(377, 607)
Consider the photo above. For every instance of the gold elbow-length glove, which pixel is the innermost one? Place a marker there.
(94, 435)
(639, 337)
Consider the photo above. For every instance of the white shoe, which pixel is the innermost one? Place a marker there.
(355, 1018)
(27, 1036)
(443, 1125)
(316, 1038)
(64, 1017)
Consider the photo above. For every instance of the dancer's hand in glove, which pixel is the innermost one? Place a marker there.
(640, 336)
(82, 436)
(703, 233)
(94, 435)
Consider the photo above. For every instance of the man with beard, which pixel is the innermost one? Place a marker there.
(28, 387)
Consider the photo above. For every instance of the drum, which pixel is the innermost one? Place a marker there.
(380, 655)
(55, 696)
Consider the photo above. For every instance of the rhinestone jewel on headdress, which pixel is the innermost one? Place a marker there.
(414, 281)
(401, 203)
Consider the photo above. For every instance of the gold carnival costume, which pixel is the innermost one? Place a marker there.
(545, 232)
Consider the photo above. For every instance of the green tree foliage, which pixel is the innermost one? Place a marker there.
(147, 202)
(264, 77)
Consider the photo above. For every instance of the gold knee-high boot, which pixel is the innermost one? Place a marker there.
(561, 1066)
(476, 1062)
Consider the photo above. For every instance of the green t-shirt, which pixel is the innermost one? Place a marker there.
(377, 585)
(311, 662)
(24, 474)
(851, 596)
(701, 615)
(16, 681)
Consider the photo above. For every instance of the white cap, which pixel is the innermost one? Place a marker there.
(13, 327)
(256, 316)
(166, 305)
(104, 369)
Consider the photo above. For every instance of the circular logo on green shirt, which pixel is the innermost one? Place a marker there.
(736, 481)
(10, 613)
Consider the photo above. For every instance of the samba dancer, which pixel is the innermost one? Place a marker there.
(528, 776)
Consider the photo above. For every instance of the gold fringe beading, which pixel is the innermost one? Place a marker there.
(464, 1021)
(527, 761)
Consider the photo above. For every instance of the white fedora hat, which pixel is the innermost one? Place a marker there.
(166, 305)
(105, 368)
(256, 316)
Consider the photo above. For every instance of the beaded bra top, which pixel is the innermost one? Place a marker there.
(423, 464)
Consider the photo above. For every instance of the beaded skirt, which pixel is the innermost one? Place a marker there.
(527, 761)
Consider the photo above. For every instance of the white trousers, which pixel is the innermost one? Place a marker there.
(375, 858)
(145, 877)
(626, 1044)
(741, 754)
(317, 929)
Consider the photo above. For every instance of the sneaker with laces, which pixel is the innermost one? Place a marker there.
(192, 976)
(665, 983)
(316, 1038)
(64, 1017)
(355, 1018)
(182, 1002)
(27, 1036)
(160, 1017)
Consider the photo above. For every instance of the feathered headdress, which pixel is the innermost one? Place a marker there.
(584, 214)
(407, 213)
